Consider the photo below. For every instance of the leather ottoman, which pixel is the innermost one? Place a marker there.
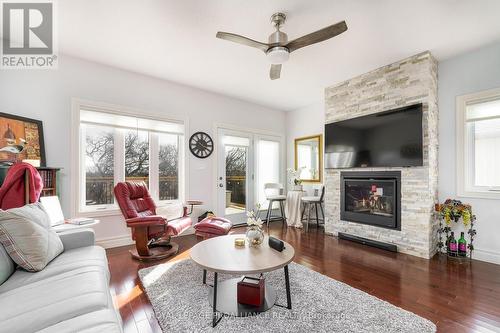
(212, 227)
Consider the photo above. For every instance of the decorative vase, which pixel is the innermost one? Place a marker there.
(297, 187)
(255, 235)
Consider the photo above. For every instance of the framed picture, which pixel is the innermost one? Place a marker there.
(21, 139)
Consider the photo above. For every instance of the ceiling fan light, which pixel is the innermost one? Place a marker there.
(278, 55)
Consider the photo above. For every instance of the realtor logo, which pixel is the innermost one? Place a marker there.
(28, 35)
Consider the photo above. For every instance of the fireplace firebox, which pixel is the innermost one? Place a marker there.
(372, 198)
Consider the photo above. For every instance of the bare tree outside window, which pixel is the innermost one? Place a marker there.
(236, 162)
(99, 165)
(168, 167)
(137, 156)
(99, 162)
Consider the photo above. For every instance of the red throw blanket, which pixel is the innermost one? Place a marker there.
(12, 192)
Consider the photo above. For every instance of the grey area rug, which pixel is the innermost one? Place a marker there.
(319, 304)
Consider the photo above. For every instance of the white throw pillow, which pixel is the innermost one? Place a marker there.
(171, 211)
(27, 237)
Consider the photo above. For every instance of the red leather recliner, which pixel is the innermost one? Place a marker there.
(151, 232)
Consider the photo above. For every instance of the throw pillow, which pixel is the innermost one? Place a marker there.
(27, 237)
(171, 211)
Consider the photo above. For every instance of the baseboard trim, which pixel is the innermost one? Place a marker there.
(485, 255)
(115, 241)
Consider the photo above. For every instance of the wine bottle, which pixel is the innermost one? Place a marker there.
(462, 246)
(452, 245)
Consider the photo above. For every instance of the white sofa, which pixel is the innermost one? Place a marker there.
(71, 294)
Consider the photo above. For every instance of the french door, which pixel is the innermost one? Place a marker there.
(245, 162)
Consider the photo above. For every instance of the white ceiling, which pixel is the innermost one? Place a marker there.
(175, 40)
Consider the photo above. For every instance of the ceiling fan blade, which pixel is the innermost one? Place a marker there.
(275, 71)
(242, 40)
(317, 36)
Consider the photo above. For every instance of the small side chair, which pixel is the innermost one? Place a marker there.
(313, 202)
(274, 193)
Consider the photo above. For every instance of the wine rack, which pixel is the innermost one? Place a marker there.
(445, 230)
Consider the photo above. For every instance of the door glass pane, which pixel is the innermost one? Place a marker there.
(137, 156)
(168, 167)
(236, 175)
(268, 168)
(99, 165)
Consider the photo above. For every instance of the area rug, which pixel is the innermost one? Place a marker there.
(319, 304)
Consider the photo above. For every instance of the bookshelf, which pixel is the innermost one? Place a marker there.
(50, 181)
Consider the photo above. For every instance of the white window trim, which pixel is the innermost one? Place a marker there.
(464, 161)
(76, 162)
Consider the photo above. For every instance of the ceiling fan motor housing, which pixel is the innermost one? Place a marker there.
(278, 38)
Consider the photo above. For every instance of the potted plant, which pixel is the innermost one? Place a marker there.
(453, 210)
(254, 234)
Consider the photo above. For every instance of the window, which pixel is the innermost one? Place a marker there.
(137, 156)
(168, 167)
(116, 147)
(478, 144)
(99, 165)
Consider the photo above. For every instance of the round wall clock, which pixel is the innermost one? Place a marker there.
(201, 145)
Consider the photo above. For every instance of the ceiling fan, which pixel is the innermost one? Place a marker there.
(278, 48)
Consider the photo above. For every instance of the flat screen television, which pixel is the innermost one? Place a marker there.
(386, 139)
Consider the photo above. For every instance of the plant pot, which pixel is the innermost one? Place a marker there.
(254, 235)
(297, 188)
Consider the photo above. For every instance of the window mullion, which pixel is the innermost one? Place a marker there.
(181, 169)
(154, 165)
(119, 161)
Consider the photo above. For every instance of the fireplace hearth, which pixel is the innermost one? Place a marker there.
(372, 198)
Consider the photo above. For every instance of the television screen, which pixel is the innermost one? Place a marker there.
(387, 139)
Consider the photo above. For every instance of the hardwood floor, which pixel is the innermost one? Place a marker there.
(456, 297)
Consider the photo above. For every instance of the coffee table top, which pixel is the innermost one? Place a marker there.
(219, 254)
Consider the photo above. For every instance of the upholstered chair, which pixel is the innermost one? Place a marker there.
(150, 231)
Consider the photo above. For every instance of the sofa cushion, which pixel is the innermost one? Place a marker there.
(6, 265)
(96, 321)
(53, 300)
(27, 237)
(75, 259)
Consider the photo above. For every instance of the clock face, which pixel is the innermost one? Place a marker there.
(201, 145)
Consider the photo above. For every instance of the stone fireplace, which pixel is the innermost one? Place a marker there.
(371, 207)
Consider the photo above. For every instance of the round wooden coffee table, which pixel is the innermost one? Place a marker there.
(220, 255)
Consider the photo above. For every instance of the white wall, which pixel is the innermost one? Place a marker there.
(47, 94)
(305, 121)
(471, 72)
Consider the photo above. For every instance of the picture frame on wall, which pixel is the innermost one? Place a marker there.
(21, 139)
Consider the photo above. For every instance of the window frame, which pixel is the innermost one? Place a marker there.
(465, 158)
(78, 162)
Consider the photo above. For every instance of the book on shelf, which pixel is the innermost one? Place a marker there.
(80, 221)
